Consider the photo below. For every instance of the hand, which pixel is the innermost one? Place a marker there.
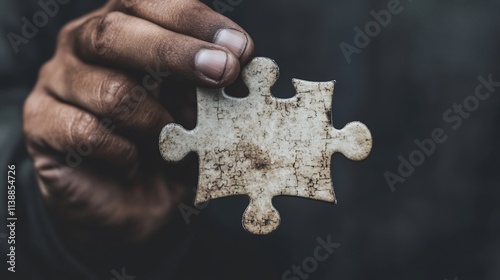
(100, 103)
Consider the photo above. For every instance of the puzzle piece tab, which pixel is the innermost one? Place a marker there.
(262, 146)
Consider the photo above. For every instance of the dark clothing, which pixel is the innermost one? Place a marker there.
(438, 220)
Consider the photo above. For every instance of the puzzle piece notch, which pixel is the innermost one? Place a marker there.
(284, 144)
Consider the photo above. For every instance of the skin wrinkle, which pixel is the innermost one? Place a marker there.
(109, 94)
(104, 35)
(91, 77)
(105, 100)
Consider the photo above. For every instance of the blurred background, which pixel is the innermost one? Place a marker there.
(440, 222)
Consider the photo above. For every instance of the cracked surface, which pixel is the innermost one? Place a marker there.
(262, 146)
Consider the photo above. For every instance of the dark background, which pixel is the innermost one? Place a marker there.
(443, 221)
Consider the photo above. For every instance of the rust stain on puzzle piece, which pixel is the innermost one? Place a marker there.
(261, 146)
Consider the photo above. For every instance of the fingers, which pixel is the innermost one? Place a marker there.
(125, 41)
(194, 19)
(109, 94)
(53, 126)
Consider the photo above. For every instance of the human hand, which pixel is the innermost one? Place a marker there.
(104, 98)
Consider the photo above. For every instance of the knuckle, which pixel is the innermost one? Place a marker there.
(65, 33)
(113, 93)
(33, 114)
(130, 6)
(29, 110)
(102, 32)
(46, 70)
(84, 129)
(97, 138)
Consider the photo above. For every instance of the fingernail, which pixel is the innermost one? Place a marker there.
(211, 63)
(233, 40)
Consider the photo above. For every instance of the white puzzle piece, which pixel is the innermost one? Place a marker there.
(262, 146)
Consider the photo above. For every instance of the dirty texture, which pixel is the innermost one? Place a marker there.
(262, 146)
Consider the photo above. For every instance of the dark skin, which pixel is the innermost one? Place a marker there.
(122, 188)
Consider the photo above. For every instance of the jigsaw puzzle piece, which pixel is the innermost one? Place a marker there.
(261, 146)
